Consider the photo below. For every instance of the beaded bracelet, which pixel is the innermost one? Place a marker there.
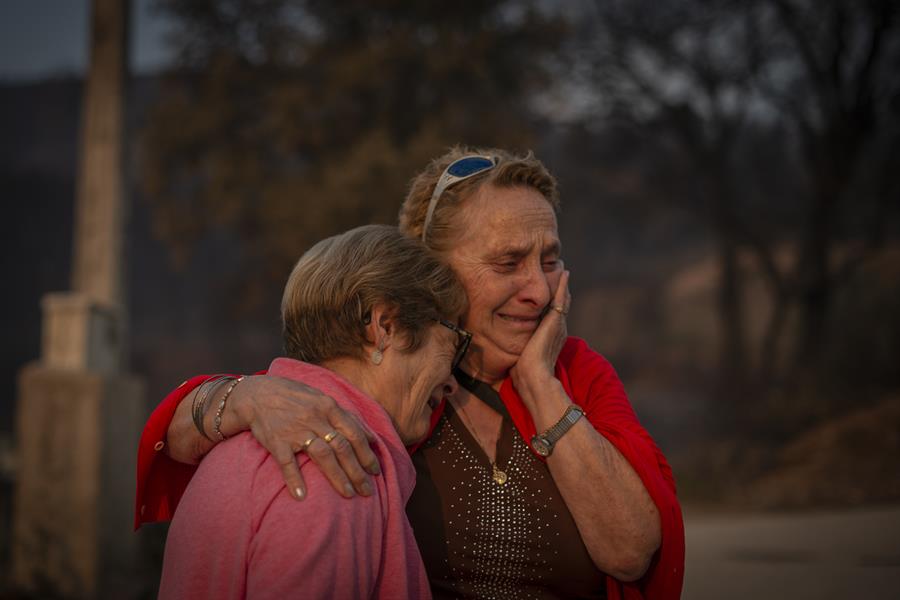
(199, 405)
(221, 408)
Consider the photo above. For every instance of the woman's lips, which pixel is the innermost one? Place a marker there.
(522, 322)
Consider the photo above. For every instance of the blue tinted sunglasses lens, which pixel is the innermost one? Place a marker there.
(468, 166)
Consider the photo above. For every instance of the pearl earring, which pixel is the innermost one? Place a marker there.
(378, 353)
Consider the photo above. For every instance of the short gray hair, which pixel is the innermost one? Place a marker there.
(335, 284)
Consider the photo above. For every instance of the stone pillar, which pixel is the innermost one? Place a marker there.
(80, 334)
(72, 530)
(79, 415)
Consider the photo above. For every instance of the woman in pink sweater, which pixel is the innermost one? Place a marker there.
(376, 315)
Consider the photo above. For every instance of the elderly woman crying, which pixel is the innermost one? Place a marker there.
(370, 319)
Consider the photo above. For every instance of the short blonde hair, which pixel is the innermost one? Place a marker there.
(335, 284)
(511, 170)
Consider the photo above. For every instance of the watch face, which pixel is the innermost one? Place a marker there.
(540, 446)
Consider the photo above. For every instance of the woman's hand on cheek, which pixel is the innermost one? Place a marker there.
(536, 364)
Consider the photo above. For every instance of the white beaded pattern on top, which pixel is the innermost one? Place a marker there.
(495, 524)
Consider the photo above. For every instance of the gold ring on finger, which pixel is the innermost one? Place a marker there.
(330, 436)
(560, 310)
(305, 445)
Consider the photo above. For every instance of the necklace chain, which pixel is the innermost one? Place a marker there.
(497, 475)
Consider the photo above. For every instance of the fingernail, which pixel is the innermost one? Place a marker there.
(298, 493)
(366, 488)
(374, 468)
(348, 490)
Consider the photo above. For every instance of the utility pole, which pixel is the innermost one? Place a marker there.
(79, 412)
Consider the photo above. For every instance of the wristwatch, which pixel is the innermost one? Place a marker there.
(543, 443)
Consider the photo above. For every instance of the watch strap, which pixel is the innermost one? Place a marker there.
(568, 420)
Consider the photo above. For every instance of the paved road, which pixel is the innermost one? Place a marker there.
(827, 555)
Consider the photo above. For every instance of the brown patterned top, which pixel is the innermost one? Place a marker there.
(481, 539)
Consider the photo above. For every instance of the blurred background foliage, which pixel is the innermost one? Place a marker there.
(290, 121)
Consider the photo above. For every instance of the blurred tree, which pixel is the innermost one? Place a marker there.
(289, 120)
(777, 123)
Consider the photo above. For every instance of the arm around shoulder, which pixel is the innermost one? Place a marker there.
(160, 479)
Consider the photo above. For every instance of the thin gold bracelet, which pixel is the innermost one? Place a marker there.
(201, 397)
(221, 408)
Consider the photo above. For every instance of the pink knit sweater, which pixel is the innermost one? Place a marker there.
(237, 533)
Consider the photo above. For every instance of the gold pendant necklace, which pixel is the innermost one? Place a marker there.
(497, 475)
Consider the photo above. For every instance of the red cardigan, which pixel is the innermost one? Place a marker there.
(588, 379)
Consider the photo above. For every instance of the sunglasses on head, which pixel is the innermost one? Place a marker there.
(459, 170)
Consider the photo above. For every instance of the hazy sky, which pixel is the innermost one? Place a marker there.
(40, 38)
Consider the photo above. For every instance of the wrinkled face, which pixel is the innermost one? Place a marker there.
(418, 381)
(508, 258)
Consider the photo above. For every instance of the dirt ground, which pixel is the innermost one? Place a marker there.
(848, 554)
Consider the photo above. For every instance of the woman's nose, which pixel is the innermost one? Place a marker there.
(535, 287)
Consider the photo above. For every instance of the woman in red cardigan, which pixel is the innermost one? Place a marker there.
(537, 479)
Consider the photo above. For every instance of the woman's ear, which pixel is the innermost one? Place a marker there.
(380, 328)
